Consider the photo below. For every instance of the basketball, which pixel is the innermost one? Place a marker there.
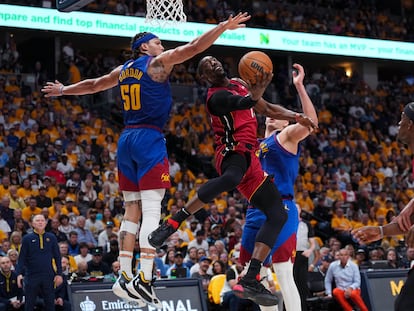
(253, 63)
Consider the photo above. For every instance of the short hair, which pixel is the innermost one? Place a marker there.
(409, 111)
(73, 232)
(83, 245)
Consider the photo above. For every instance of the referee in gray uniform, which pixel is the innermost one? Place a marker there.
(305, 246)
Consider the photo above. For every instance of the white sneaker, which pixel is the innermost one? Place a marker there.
(143, 289)
(120, 289)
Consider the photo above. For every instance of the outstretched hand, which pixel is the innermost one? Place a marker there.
(298, 74)
(305, 121)
(52, 89)
(406, 217)
(367, 234)
(409, 238)
(237, 21)
(258, 87)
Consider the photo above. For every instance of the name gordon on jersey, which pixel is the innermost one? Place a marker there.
(130, 73)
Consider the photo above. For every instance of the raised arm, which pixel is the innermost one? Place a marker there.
(278, 112)
(88, 86)
(268, 109)
(291, 135)
(203, 42)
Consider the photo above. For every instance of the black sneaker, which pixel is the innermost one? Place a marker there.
(144, 289)
(157, 237)
(255, 291)
(120, 289)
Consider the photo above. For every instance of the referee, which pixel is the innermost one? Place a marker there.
(37, 253)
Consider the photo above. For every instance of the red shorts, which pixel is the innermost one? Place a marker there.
(254, 176)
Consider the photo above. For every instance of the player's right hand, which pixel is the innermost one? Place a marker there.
(258, 87)
(52, 89)
(367, 234)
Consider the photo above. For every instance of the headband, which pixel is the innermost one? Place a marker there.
(137, 43)
(409, 111)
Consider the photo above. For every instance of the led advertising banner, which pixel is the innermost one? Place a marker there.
(176, 295)
(128, 26)
(380, 288)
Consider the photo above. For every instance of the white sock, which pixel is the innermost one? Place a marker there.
(125, 261)
(147, 263)
(284, 273)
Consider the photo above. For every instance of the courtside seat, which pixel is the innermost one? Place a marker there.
(215, 287)
(318, 301)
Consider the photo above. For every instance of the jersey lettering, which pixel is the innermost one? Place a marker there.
(130, 94)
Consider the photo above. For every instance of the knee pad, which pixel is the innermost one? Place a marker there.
(129, 226)
(131, 196)
(151, 214)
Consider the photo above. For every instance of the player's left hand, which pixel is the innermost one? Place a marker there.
(52, 89)
(305, 121)
(298, 74)
(58, 280)
(236, 21)
(367, 234)
(409, 238)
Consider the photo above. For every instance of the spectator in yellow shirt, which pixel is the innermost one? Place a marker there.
(31, 210)
(5, 186)
(56, 209)
(26, 190)
(305, 202)
(342, 226)
(51, 190)
(16, 202)
(70, 207)
(333, 192)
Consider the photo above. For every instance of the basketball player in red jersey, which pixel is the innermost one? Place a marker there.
(231, 104)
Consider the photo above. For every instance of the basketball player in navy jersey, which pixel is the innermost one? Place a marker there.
(279, 156)
(231, 104)
(142, 155)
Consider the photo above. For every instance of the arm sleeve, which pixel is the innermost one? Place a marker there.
(22, 258)
(357, 278)
(311, 232)
(223, 102)
(328, 282)
(57, 256)
(230, 275)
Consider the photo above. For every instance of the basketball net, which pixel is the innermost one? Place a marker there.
(165, 12)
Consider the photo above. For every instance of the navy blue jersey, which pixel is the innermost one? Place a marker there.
(145, 102)
(37, 254)
(280, 163)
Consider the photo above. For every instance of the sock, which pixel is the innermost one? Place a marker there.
(254, 268)
(147, 263)
(125, 261)
(178, 218)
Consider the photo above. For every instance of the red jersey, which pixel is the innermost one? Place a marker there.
(235, 130)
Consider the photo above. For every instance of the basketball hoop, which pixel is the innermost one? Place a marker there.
(165, 12)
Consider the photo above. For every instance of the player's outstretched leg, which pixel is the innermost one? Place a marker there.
(157, 237)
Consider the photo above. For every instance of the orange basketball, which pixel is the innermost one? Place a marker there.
(253, 63)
